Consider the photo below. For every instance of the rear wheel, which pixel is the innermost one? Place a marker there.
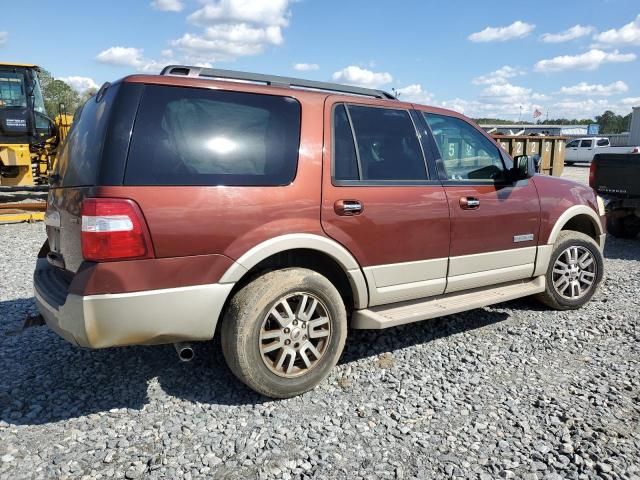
(574, 272)
(284, 332)
(623, 227)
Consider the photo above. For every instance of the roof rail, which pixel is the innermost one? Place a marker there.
(275, 80)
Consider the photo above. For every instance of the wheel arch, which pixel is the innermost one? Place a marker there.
(579, 218)
(304, 250)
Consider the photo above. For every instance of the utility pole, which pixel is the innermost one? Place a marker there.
(520, 116)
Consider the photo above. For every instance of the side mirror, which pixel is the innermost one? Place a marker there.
(524, 166)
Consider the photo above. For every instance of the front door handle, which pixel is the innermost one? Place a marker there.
(469, 203)
(348, 208)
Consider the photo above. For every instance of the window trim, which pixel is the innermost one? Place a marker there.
(375, 183)
(444, 179)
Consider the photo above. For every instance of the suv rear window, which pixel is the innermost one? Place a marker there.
(193, 136)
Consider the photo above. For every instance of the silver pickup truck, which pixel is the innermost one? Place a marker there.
(584, 149)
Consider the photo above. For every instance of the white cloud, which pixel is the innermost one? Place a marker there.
(517, 29)
(587, 108)
(414, 93)
(134, 58)
(4, 37)
(80, 84)
(590, 60)
(306, 67)
(121, 56)
(241, 33)
(233, 28)
(631, 101)
(489, 109)
(583, 88)
(499, 76)
(167, 5)
(271, 12)
(629, 34)
(505, 91)
(577, 31)
(355, 75)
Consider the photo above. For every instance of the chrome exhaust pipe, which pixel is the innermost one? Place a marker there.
(185, 351)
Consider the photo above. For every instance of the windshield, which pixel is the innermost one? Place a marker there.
(12, 91)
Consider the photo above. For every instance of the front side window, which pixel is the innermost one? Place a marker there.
(192, 136)
(573, 144)
(586, 143)
(466, 154)
(386, 141)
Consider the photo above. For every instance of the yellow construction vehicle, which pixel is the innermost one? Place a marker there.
(28, 137)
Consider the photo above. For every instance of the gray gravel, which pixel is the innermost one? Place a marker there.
(511, 391)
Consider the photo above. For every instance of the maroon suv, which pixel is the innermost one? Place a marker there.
(284, 211)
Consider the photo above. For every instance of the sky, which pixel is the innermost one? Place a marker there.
(499, 59)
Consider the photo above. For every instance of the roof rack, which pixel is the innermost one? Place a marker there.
(275, 80)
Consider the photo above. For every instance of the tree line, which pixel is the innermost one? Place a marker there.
(58, 95)
(610, 122)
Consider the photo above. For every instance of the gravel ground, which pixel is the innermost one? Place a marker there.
(510, 391)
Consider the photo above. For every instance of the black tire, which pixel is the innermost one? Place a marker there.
(566, 239)
(622, 227)
(243, 323)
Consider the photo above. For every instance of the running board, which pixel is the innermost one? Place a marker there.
(385, 316)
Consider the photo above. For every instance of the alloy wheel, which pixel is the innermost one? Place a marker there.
(574, 272)
(295, 334)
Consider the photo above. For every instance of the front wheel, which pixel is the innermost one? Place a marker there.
(284, 332)
(574, 272)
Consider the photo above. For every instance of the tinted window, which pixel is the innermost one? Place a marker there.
(191, 136)
(586, 143)
(387, 143)
(603, 142)
(344, 151)
(79, 161)
(467, 155)
(573, 144)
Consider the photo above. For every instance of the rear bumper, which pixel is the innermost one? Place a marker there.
(139, 318)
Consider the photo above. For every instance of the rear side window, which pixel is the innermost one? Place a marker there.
(386, 145)
(586, 143)
(79, 160)
(603, 142)
(192, 136)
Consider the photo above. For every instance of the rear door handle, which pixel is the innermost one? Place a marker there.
(348, 208)
(469, 203)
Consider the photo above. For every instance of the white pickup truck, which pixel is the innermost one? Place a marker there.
(584, 149)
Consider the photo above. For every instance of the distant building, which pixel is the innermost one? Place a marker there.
(548, 130)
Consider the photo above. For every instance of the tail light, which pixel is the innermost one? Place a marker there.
(114, 229)
(592, 174)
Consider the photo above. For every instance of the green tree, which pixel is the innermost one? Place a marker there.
(59, 97)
